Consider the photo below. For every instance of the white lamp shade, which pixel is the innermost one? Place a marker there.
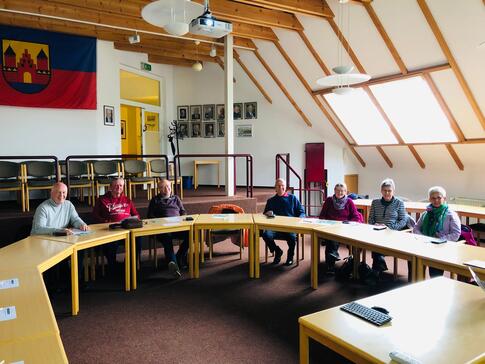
(177, 28)
(343, 69)
(163, 12)
(197, 66)
(346, 90)
(343, 79)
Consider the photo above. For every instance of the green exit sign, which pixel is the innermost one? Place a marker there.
(146, 66)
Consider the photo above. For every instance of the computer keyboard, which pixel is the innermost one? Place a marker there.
(373, 316)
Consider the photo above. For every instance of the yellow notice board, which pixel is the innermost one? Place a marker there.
(151, 121)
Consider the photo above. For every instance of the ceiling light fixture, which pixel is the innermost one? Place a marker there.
(172, 15)
(197, 66)
(343, 76)
(213, 51)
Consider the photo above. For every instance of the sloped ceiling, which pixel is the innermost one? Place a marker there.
(264, 26)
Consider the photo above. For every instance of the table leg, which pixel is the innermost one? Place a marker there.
(128, 262)
(257, 264)
(304, 347)
(196, 183)
(251, 252)
(419, 269)
(314, 267)
(196, 252)
(413, 270)
(219, 175)
(74, 284)
(191, 252)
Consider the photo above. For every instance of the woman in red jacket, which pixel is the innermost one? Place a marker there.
(341, 208)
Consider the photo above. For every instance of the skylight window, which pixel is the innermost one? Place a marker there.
(361, 118)
(414, 111)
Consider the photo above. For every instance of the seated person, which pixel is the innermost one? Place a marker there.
(388, 211)
(341, 208)
(282, 204)
(438, 221)
(56, 214)
(166, 205)
(113, 207)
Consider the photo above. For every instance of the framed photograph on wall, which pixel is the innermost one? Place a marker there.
(183, 130)
(220, 112)
(244, 131)
(210, 130)
(238, 110)
(196, 130)
(250, 110)
(209, 112)
(195, 112)
(221, 129)
(123, 129)
(109, 115)
(183, 113)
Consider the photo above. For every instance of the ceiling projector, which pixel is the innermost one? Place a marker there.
(209, 26)
(133, 39)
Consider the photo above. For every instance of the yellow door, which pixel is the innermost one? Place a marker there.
(352, 182)
(131, 130)
(151, 133)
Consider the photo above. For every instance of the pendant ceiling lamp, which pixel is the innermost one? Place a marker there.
(343, 76)
(197, 65)
(172, 15)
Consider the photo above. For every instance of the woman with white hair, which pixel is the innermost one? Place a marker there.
(438, 221)
(389, 211)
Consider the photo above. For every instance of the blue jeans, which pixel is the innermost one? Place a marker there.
(269, 237)
(166, 240)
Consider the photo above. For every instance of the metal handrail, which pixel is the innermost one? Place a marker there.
(278, 158)
(287, 159)
(249, 168)
(113, 156)
(30, 157)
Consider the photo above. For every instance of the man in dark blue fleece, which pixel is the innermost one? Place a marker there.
(282, 204)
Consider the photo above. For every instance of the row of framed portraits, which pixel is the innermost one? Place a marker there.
(246, 110)
(208, 130)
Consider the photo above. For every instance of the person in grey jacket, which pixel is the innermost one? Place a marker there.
(388, 211)
(438, 221)
(56, 214)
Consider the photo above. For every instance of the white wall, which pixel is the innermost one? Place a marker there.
(278, 129)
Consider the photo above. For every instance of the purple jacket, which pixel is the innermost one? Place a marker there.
(348, 213)
(451, 226)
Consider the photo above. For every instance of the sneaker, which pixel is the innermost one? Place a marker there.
(289, 262)
(277, 256)
(174, 269)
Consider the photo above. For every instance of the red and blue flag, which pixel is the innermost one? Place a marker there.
(47, 69)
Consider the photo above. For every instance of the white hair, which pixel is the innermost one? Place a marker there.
(388, 182)
(341, 184)
(279, 180)
(437, 189)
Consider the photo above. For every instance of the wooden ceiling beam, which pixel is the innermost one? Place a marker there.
(455, 157)
(170, 60)
(283, 89)
(163, 52)
(314, 53)
(233, 11)
(307, 7)
(451, 60)
(395, 77)
(446, 110)
(416, 155)
(385, 37)
(385, 156)
(244, 30)
(251, 76)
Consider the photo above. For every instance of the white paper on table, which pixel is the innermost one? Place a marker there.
(170, 224)
(319, 221)
(9, 283)
(220, 216)
(80, 232)
(8, 313)
(173, 219)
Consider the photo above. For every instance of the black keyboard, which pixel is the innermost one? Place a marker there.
(373, 316)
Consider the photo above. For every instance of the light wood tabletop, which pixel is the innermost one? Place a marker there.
(163, 225)
(222, 221)
(46, 349)
(34, 315)
(437, 321)
(33, 252)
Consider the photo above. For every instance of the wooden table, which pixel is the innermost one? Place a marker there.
(99, 234)
(198, 163)
(283, 224)
(45, 349)
(437, 321)
(223, 222)
(162, 226)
